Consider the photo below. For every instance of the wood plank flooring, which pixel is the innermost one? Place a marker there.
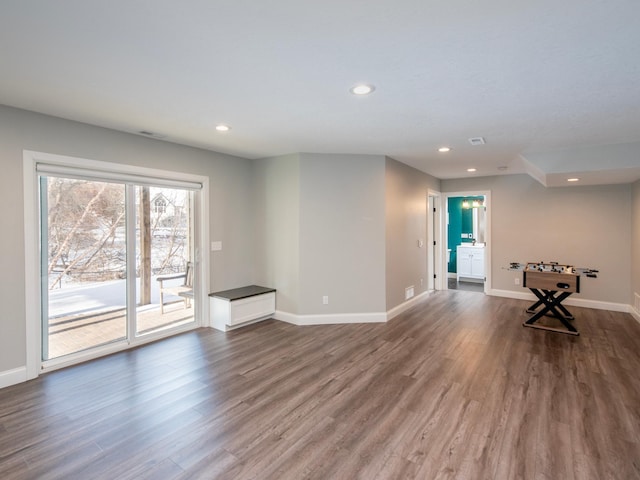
(454, 388)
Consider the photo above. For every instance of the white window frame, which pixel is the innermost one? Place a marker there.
(33, 307)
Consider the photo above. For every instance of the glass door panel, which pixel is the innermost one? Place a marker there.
(83, 265)
(164, 267)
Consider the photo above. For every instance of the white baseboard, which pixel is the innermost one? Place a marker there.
(331, 319)
(404, 306)
(11, 377)
(522, 295)
(342, 318)
(634, 313)
(575, 302)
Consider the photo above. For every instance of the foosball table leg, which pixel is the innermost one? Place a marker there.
(552, 304)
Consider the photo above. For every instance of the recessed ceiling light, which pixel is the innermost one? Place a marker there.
(471, 169)
(362, 89)
(572, 179)
(223, 128)
(444, 149)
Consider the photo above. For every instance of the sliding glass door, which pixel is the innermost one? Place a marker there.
(116, 261)
(164, 266)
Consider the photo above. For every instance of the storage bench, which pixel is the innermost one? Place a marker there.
(237, 307)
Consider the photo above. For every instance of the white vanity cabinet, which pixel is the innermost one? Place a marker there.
(470, 262)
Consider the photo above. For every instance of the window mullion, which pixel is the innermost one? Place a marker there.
(131, 260)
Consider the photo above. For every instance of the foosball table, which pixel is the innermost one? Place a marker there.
(551, 283)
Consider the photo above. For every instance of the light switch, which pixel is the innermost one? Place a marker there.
(216, 246)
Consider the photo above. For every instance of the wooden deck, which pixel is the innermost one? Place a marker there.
(80, 332)
(454, 388)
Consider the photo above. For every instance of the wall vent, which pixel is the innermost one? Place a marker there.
(147, 133)
(408, 292)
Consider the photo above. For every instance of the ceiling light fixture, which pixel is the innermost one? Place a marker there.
(471, 169)
(475, 203)
(444, 149)
(572, 179)
(223, 128)
(362, 89)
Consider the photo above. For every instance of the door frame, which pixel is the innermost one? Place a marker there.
(445, 230)
(434, 234)
(33, 298)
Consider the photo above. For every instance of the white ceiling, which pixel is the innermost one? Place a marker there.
(552, 86)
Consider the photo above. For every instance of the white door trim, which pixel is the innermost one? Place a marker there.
(435, 257)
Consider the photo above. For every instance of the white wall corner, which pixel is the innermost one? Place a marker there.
(12, 377)
(533, 170)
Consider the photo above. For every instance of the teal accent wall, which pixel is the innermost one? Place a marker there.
(460, 221)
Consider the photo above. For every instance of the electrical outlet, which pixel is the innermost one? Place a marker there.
(325, 300)
(516, 281)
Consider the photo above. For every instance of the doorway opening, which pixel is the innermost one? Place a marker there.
(467, 242)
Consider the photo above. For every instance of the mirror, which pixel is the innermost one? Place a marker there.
(479, 224)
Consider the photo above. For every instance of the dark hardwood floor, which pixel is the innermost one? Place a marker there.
(454, 388)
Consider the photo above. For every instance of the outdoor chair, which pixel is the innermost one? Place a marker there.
(185, 290)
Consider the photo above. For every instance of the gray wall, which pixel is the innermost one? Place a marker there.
(635, 251)
(344, 226)
(342, 233)
(231, 214)
(587, 226)
(320, 232)
(406, 191)
(277, 229)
